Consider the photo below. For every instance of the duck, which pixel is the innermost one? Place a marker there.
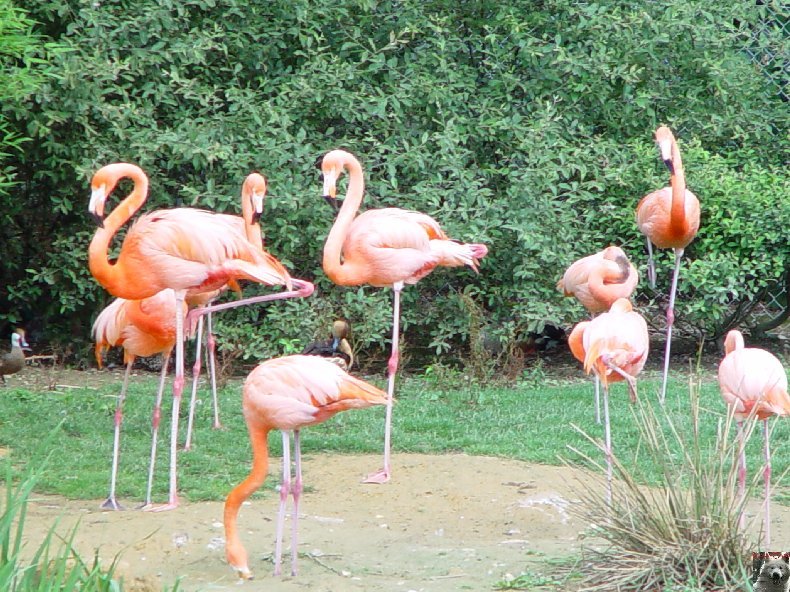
(14, 361)
(336, 348)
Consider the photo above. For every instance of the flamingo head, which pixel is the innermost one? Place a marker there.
(665, 139)
(254, 189)
(96, 205)
(733, 341)
(333, 164)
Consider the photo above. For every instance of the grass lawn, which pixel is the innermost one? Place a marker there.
(531, 421)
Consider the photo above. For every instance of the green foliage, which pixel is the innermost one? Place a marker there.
(521, 125)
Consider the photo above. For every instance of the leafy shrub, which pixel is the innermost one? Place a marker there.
(527, 127)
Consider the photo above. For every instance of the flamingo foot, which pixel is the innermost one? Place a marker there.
(171, 505)
(218, 426)
(379, 477)
(111, 504)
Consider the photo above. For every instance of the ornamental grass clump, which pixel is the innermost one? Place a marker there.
(683, 527)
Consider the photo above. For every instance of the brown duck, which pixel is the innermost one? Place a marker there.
(14, 360)
(336, 349)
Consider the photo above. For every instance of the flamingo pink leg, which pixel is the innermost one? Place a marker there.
(195, 377)
(651, 265)
(767, 477)
(285, 489)
(178, 388)
(383, 475)
(607, 445)
(157, 416)
(303, 290)
(597, 399)
(670, 322)
(211, 345)
(111, 503)
(741, 470)
(296, 491)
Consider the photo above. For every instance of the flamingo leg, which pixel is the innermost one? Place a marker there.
(303, 289)
(157, 416)
(211, 344)
(741, 470)
(178, 388)
(195, 376)
(383, 475)
(670, 322)
(111, 503)
(767, 478)
(296, 491)
(651, 265)
(597, 399)
(607, 445)
(285, 489)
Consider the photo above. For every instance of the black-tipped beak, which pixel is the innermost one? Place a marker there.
(670, 166)
(335, 344)
(256, 217)
(332, 201)
(98, 219)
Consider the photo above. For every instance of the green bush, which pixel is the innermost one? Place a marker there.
(525, 126)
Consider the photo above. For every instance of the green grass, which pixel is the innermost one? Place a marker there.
(532, 421)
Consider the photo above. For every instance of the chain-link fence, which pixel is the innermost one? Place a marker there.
(768, 46)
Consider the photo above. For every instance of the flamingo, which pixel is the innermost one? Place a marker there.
(143, 328)
(336, 348)
(184, 249)
(253, 191)
(288, 394)
(597, 281)
(384, 247)
(669, 218)
(613, 345)
(753, 381)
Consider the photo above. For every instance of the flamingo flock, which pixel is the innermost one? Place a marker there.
(174, 264)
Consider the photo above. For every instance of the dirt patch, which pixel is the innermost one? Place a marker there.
(444, 523)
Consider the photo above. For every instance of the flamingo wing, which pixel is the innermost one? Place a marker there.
(752, 377)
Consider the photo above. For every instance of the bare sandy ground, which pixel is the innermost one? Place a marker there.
(444, 523)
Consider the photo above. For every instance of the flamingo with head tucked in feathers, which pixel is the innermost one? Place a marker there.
(596, 281)
(384, 247)
(614, 345)
(288, 394)
(143, 328)
(753, 383)
(185, 249)
(669, 218)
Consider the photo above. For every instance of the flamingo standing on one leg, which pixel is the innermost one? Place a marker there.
(597, 281)
(614, 345)
(143, 328)
(253, 192)
(753, 381)
(288, 394)
(669, 218)
(384, 247)
(184, 249)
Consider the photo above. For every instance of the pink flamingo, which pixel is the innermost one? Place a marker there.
(253, 192)
(597, 281)
(753, 381)
(614, 345)
(143, 328)
(288, 394)
(385, 247)
(669, 218)
(184, 249)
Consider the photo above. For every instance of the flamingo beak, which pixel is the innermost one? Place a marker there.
(330, 183)
(665, 147)
(257, 206)
(96, 205)
(335, 344)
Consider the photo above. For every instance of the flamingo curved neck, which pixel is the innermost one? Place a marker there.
(111, 275)
(345, 273)
(733, 341)
(677, 215)
(607, 285)
(235, 552)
